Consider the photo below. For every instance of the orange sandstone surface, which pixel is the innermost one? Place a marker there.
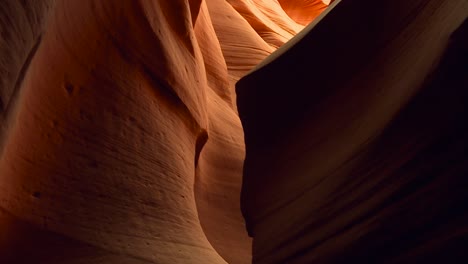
(123, 123)
(120, 134)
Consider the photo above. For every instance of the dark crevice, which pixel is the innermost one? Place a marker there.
(201, 141)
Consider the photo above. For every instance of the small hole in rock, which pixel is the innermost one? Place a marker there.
(69, 88)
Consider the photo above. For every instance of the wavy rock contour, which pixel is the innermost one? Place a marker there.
(120, 134)
(121, 140)
(354, 153)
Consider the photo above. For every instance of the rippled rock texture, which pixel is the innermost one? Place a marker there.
(120, 132)
(121, 138)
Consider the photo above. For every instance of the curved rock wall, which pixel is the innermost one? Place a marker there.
(21, 26)
(304, 11)
(354, 153)
(121, 139)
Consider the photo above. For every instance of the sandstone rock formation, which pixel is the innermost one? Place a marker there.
(303, 11)
(121, 141)
(357, 152)
(120, 135)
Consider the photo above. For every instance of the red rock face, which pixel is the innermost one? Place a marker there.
(303, 11)
(122, 141)
(120, 133)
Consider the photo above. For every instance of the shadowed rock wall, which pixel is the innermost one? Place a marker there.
(355, 138)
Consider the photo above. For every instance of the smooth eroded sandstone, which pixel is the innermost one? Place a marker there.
(121, 139)
(354, 153)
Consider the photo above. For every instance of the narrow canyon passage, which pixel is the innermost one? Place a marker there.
(232, 131)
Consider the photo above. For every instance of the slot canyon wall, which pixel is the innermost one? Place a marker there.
(123, 122)
(357, 153)
(120, 138)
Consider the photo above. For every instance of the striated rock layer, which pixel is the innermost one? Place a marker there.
(21, 26)
(120, 138)
(356, 138)
(121, 142)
